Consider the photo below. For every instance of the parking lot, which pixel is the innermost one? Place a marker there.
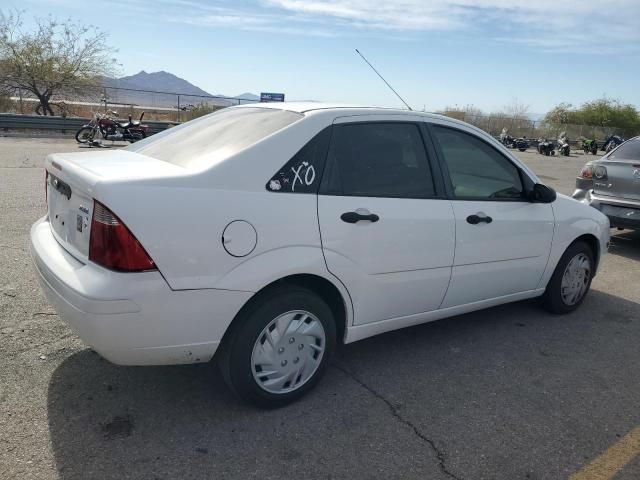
(506, 393)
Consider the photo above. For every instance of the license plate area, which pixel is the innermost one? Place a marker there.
(69, 216)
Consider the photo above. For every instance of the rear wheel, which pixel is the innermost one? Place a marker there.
(571, 279)
(280, 348)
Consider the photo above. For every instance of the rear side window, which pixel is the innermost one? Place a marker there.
(477, 170)
(303, 172)
(378, 160)
(207, 140)
(627, 151)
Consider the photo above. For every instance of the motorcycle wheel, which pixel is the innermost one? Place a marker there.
(522, 149)
(84, 135)
(143, 135)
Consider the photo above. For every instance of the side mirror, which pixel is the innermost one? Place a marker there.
(542, 194)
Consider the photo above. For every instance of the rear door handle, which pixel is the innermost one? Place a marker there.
(354, 217)
(476, 219)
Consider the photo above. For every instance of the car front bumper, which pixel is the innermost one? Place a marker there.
(131, 318)
(622, 213)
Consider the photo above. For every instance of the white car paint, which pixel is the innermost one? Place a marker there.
(422, 263)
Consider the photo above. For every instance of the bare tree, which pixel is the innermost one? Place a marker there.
(516, 109)
(55, 57)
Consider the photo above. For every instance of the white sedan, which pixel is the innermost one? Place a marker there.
(265, 234)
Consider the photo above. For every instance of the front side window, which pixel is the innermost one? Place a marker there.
(477, 170)
(378, 160)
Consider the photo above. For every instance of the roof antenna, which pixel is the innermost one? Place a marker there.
(378, 73)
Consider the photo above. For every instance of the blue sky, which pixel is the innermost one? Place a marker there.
(436, 53)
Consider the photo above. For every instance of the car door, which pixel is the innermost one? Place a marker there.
(387, 231)
(502, 239)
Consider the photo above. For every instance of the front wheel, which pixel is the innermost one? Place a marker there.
(280, 347)
(571, 279)
(84, 135)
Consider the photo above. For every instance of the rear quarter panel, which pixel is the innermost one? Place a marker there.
(180, 221)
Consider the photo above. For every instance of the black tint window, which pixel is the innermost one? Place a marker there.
(303, 172)
(379, 160)
(476, 169)
(627, 151)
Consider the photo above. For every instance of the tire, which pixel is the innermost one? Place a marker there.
(553, 298)
(250, 347)
(84, 135)
(143, 135)
(546, 152)
(522, 149)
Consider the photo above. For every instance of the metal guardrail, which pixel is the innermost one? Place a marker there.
(9, 121)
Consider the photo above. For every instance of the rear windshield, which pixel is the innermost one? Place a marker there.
(627, 151)
(207, 140)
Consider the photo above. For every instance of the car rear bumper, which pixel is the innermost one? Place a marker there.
(622, 213)
(131, 318)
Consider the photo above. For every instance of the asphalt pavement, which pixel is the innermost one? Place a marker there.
(508, 393)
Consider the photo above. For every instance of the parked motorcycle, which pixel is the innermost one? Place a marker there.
(563, 145)
(110, 129)
(611, 142)
(589, 146)
(546, 147)
(508, 141)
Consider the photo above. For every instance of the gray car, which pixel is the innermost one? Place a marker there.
(612, 185)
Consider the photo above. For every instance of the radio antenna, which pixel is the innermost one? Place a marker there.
(378, 73)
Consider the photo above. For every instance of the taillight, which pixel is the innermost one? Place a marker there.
(113, 246)
(586, 172)
(600, 172)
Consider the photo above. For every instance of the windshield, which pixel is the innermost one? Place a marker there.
(627, 151)
(209, 139)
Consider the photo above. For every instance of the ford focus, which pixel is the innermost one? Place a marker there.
(261, 236)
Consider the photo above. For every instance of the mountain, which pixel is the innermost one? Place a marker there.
(158, 82)
(122, 91)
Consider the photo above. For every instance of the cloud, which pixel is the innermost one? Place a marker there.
(593, 25)
(583, 26)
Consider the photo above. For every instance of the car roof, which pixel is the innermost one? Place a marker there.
(346, 109)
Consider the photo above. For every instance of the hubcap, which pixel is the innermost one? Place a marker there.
(288, 352)
(575, 279)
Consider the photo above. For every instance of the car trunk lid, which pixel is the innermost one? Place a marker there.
(71, 182)
(622, 180)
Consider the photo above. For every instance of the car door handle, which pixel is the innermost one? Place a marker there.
(476, 219)
(354, 217)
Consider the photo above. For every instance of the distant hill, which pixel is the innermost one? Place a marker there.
(162, 82)
(158, 81)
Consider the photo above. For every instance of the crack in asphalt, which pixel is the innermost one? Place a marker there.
(394, 412)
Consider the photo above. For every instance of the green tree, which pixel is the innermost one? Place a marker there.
(563, 114)
(604, 112)
(55, 57)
